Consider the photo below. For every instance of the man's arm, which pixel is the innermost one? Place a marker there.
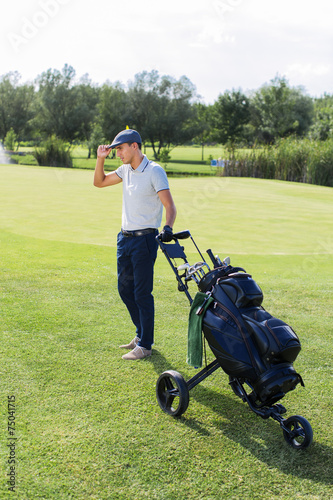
(101, 179)
(170, 207)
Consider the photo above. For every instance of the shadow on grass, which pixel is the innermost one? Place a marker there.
(159, 362)
(262, 438)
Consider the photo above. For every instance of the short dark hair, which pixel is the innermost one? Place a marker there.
(138, 143)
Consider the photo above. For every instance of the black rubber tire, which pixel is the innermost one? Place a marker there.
(301, 432)
(171, 388)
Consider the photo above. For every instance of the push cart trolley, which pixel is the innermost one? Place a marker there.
(252, 347)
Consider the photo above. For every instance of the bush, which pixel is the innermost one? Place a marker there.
(53, 153)
(96, 138)
(165, 157)
(10, 140)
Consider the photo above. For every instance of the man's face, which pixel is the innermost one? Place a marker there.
(125, 152)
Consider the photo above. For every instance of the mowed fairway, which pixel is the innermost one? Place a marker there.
(87, 423)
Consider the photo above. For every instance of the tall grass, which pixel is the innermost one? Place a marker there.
(320, 169)
(289, 160)
(53, 153)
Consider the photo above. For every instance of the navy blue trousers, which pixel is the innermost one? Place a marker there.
(136, 257)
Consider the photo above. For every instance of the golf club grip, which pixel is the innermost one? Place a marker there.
(212, 258)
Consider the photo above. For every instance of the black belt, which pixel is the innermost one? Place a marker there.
(139, 232)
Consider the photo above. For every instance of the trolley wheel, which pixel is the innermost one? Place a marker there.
(299, 434)
(172, 393)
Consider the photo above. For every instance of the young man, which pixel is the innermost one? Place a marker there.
(145, 192)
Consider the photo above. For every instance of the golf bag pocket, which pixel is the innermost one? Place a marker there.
(226, 340)
(276, 341)
(241, 289)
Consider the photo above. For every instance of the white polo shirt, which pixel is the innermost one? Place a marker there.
(142, 207)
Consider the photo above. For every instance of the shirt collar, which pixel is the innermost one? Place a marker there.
(142, 165)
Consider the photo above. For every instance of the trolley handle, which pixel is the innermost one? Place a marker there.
(182, 235)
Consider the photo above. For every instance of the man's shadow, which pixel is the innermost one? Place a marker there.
(262, 438)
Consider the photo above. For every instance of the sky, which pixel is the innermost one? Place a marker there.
(219, 45)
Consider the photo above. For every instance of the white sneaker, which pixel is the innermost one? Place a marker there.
(137, 353)
(131, 345)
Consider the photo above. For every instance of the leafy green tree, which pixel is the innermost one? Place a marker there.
(112, 110)
(87, 97)
(279, 110)
(322, 127)
(202, 125)
(160, 107)
(16, 106)
(230, 113)
(63, 108)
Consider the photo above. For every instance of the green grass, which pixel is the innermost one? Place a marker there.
(184, 159)
(180, 153)
(87, 422)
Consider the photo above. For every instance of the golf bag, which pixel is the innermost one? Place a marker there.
(250, 345)
(247, 341)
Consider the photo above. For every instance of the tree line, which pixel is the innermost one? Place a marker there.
(167, 112)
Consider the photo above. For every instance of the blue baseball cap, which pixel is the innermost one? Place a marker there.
(127, 135)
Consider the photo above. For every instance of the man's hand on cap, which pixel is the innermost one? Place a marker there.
(103, 151)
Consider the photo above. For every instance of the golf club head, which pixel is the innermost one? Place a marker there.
(183, 267)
